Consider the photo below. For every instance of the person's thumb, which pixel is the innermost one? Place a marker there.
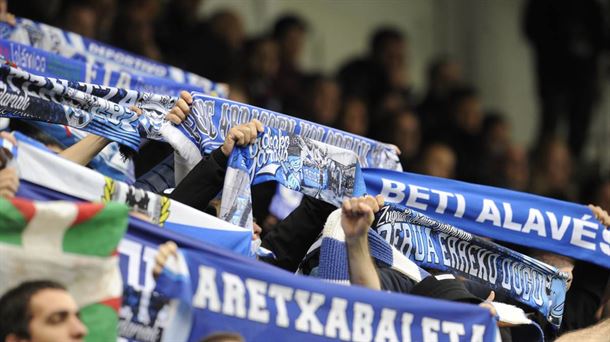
(491, 297)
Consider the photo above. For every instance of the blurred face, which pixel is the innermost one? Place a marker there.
(326, 102)
(407, 134)
(469, 115)
(292, 45)
(439, 161)
(393, 54)
(266, 59)
(55, 317)
(81, 20)
(355, 119)
(559, 165)
(498, 138)
(516, 168)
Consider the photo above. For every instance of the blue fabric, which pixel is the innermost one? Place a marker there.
(211, 119)
(520, 218)
(45, 63)
(79, 48)
(436, 245)
(241, 295)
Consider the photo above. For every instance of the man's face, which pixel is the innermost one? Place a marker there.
(55, 317)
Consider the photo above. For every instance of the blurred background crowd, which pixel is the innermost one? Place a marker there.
(442, 123)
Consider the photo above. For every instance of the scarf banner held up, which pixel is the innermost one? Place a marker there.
(99, 55)
(51, 65)
(226, 292)
(85, 184)
(520, 218)
(436, 245)
(318, 170)
(29, 96)
(214, 290)
(211, 119)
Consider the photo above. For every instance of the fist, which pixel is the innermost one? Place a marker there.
(357, 215)
(241, 135)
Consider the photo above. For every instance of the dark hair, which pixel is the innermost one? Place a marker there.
(382, 36)
(15, 312)
(34, 132)
(286, 23)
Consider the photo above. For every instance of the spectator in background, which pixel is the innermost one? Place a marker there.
(106, 14)
(258, 80)
(444, 76)
(290, 32)
(382, 71)
(209, 48)
(354, 117)
(514, 169)
(464, 133)
(568, 39)
(552, 176)
(40, 311)
(438, 160)
(495, 143)
(406, 135)
(134, 30)
(322, 100)
(78, 16)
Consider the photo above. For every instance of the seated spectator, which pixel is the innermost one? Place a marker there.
(40, 311)
(406, 135)
(354, 117)
(552, 175)
(438, 160)
(289, 31)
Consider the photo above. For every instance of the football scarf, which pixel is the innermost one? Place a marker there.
(436, 245)
(315, 169)
(225, 292)
(98, 57)
(520, 218)
(211, 119)
(73, 244)
(85, 184)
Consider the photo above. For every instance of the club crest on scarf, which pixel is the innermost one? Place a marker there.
(152, 205)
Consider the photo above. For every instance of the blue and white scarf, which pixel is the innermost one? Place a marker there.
(520, 218)
(259, 302)
(436, 245)
(99, 56)
(211, 119)
(319, 170)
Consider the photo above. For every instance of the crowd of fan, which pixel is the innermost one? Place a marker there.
(446, 133)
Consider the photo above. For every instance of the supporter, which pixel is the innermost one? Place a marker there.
(291, 237)
(79, 17)
(496, 141)
(357, 216)
(261, 67)
(40, 311)
(381, 71)
(552, 175)
(354, 116)
(514, 169)
(289, 31)
(568, 39)
(438, 160)
(322, 100)
(444, 76)
(406, 135)
(134, 30)
(9, 179)
(464, 133)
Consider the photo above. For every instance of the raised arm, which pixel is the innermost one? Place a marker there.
(87, 148)
(357, 215)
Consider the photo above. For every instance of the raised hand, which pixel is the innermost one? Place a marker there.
(241, 135)
(181, 109)
(357, 215)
